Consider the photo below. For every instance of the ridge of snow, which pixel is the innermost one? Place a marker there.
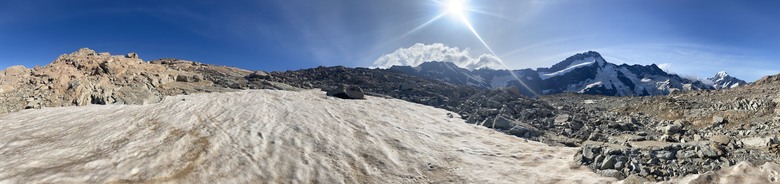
(571, 67)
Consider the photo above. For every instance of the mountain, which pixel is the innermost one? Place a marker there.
(723, 80)
(585, 73)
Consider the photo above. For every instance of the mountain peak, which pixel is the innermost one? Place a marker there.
(723, 80)
(577, 59)
(721, 74)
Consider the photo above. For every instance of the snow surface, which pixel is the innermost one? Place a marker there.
(266, 136)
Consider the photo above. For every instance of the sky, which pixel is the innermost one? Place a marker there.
(694, 38)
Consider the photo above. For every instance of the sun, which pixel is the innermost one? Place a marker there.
(456, 8)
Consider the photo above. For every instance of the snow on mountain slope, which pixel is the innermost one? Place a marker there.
(723, 80)
(269, 136)
(566, 70)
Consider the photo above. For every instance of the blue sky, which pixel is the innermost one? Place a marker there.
(689, 37)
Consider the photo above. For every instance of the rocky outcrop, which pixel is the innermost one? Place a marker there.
(86, 77)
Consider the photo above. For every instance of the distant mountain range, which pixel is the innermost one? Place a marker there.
(585, 73)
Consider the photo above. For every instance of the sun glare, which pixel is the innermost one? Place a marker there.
(456, 7)
(459, 9)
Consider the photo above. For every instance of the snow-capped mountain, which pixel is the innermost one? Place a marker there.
(723, 80)
(586, 73)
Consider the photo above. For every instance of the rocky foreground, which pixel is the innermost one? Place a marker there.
(656, 138)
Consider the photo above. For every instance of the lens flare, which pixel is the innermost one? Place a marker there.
(460, 9)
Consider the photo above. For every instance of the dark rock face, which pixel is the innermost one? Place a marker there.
(346, 92)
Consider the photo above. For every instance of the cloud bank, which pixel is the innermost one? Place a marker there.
(420, 53)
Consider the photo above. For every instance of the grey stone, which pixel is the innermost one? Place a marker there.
(671, 129)
(590, 152)
(619, 165)
(259, 75)
(686, 154)
(599, 159)
(562, 119)
(347, 92)
(758, 142)
(709, 151)
(609, 162)
(503, 123)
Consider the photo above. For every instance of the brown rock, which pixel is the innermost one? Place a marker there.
(85, 77)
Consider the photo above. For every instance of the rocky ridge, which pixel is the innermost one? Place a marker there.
(87, 77)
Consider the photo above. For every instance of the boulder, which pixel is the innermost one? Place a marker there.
(709, 151)
(502, 123)
(720, 139)
(671, 129)
(758, 142)
(347, 92)
(609, 162)
(562, 119)
(189, 78)
(718, 120)
(258, 75)
(131, 55)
